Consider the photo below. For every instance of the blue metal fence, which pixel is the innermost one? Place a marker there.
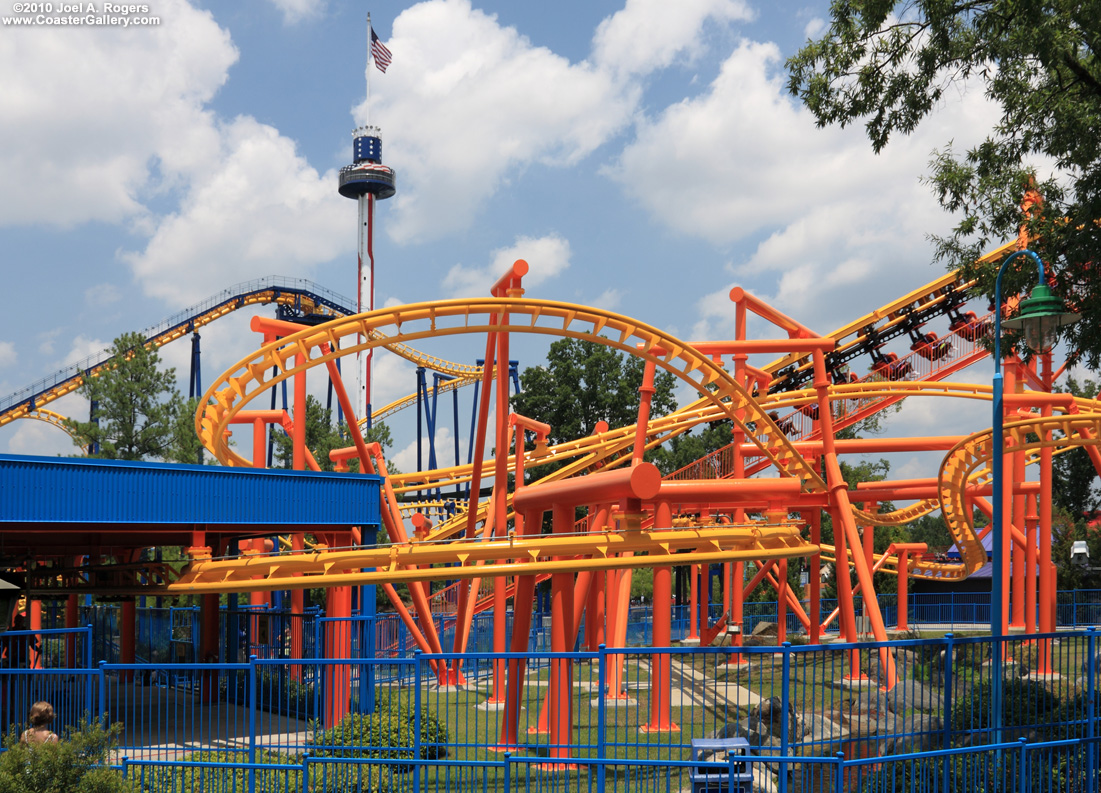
(816, 718)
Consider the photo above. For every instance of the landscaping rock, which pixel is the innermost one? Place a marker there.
(763, 780)
(768, 719)
(818, 728)
(912, 695)
(765, 629)
(925, 733)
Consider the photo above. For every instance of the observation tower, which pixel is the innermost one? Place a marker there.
(366, 180)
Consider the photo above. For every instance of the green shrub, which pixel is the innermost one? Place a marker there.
(1025, 703)
(183, 778)
(387, 733)
(75, 764)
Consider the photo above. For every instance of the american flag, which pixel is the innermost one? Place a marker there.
(379, 52)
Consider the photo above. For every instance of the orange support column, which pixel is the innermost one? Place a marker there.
(34, 657)
(522, 605)
(594, 612)
(661, 665)
(781, 601)
(1047, 592)
(902, 619)
(1031, 518)
(815, 578)
(209, 612)
(561, 676)
(1017, 600)
(693, 605)
(298, 608)
(338, 644)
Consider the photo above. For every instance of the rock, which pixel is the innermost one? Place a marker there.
(925, 733)
(763, 780)
(765, 629)
(1009, 735)
(819, 728)
(862, 726)
(912, 695)
(729, 730)
(768, 719)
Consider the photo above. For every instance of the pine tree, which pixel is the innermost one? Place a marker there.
(135, 405)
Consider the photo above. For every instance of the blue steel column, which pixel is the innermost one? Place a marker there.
(997, 473)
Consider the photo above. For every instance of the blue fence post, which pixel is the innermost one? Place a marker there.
(125, 767)
(1091, 710)
(305, 772)
(946, 716)
(508, 772)
(601, 714)
(785, 700)
(252, 723)
(839, 782)
(102, 697)
(1022, 769)
(417, 719)
(88, 664)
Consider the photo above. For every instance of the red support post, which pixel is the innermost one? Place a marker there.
(661, 665)
(815, 578)
(338, 644)
(561, 675)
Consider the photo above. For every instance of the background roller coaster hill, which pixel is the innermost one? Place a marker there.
(758, 500)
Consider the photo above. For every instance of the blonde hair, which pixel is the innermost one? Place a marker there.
(42, 713)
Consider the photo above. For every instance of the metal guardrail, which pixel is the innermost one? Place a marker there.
(301, 286)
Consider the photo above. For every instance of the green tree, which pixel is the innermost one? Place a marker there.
(136, 407)
(1077, 489)
(890, 63)
(686, 449)
(323, 435)
(584, 382)
(185, 446)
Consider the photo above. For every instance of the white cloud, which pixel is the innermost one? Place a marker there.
(295, 11)
(468, 102)
(609, 299)
(406, 458)
(82, 348)
(646, 35)
(262, 210)
(814, 27)
(99, 117)
(547, 257)
(38, 438)
(102, 295)
(8, 355)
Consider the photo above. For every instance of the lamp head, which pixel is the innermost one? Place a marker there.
(1040, 316)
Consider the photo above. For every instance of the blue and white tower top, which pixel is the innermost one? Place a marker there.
(367, 174)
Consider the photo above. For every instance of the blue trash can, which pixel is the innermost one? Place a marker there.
(715, 781)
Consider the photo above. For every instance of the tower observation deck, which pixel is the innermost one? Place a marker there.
(366, 180)
(367, 175)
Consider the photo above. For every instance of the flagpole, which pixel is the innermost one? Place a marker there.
(369, 59)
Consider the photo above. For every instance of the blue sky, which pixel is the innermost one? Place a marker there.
(643, 156)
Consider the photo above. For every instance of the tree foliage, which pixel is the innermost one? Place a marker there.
(76, 764)
(890, 63)
(323, 435)
(136, 413)
(1077, 489)
(585, 382)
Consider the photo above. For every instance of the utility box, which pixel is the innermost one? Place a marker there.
(719, 750)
